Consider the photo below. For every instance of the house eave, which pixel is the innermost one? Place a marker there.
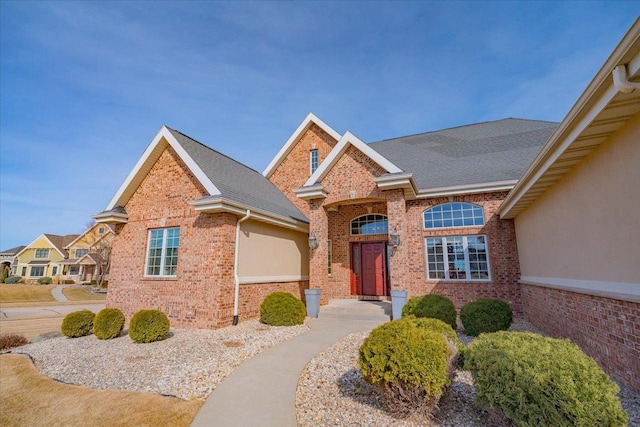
(311, 193)
(402, 182)
(111, 218)
(487, 187)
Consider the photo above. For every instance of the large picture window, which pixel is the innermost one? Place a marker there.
(370, 224)
(42, 253)
(456, 214)
(37, 271)
(162, 252)
(457, 258)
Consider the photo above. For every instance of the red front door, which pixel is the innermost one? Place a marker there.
(373, 268)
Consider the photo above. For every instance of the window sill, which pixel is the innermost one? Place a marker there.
(460, 280)
(160, 278)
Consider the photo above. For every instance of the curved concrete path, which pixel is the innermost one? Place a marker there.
(58, 294)
(262, 391)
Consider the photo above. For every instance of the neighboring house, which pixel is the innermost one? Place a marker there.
(204, 238)
(8, 257)
(43, 257)
(87, 254)
(577, 218)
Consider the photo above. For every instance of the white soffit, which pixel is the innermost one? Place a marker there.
(350, 139)
(150, 156)
(295, 137)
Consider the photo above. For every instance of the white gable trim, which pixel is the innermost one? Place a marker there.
(87, 231)
(36, 239)
(335, 154)
(146, 162)
(295, 137)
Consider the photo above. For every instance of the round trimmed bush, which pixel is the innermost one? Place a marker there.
(12, 279)
(78, 323)
(108, 323)
(486, 315)
(148, 326)
(539, 381)
(412, 365)
(282, 309)
(45, 280)
(433, 306)
(436, 325)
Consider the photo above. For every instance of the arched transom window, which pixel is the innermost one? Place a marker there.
(370, 224)
(456, 214)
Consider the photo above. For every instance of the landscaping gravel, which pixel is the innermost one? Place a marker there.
(332, 392)
(188, 364)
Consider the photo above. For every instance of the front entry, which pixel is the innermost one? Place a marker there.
(369, 269)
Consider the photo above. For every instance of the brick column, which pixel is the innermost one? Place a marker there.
(396, 213)
(319, 226)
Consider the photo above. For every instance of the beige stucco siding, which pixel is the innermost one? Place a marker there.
(272, 254)
(587, 226)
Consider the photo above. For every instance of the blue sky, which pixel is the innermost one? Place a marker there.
(85, 86)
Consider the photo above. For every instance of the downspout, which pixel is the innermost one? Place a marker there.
(236, 278)
(621, 80)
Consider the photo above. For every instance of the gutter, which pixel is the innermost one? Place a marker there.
(621, 80)
(236, 278)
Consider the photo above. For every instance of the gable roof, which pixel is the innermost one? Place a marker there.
(68, 245)
(57, 242)
(13, 251)
(604, 107)
(231, 186)
(310, 120)
(495, 152)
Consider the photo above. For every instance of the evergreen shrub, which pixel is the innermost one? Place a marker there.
(78, 323)
(433, 306)
(45, 280)
(282, 309)
(410, 363)
(486, 315)
(12, 279)
(539, 381)
(148, 326)
(108, 323)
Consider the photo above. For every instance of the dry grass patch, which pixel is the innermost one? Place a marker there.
(25, 293)
(83, 293)
(28, 398)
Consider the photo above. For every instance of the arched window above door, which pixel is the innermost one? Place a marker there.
(370, 224)
(456, 214)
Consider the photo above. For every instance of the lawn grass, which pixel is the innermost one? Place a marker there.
(82, 294)
(28, 398)
(26, 293)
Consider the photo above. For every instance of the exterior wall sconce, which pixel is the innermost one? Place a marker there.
(313, 242)
(394, 239)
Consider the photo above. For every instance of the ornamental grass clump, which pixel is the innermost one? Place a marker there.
(148, 326)
(539, 381)
(108, 323)
(282, 309)
(78, 323)
(11, 339)
(411, 364)
(486, 315)
(45, 280)
(433, 306)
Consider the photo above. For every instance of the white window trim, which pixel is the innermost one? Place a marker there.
(162, 254)
(466, 259)
(35, 256)
(44, 270)
(311, 153)
(424, 227)
(374, 234)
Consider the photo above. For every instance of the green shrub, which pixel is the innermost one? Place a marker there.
(12, 279)
(411, 363)
(78, 323)
(282, 309)
(436, 325)
(434, 306)
(67, 282)
(108, 323)
(148, 326)
(10, 340)
(486, 315)
(539, 381)
(5, 274)
(45, 280)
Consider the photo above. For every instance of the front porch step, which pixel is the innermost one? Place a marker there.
(354, 310)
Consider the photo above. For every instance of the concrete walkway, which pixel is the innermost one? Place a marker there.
(262, 391)
(58, 294)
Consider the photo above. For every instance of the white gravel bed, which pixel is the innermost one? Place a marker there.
(332, 392)
(189, 364)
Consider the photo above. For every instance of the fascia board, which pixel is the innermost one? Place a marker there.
(310, 193)
(466, 189)
(148, 159)
(293, 139)
(350, 139)
(106, 218)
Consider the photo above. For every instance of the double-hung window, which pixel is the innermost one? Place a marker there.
(162, 252)
(81, 252)
(42, 253)
(457, 258)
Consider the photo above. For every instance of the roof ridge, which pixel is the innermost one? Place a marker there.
(213, 149)
(462, 126)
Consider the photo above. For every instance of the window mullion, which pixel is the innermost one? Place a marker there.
(445, 258)
(467, 265)
(163, 251)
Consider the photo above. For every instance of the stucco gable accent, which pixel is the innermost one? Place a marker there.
(347, 140)
(310, 120)
(160, 142)
(600, 111)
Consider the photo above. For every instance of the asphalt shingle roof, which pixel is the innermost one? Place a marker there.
(238, 182)
(479, 153)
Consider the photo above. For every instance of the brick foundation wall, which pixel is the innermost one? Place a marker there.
(606, 329)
